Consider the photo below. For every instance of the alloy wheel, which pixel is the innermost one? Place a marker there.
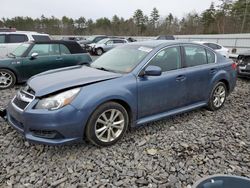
(109, 125)
(219, 96)
(5, 79)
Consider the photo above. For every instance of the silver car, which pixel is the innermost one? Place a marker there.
(105, 45)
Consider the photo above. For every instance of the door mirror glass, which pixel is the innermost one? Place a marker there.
(34, 55)
(151, 70)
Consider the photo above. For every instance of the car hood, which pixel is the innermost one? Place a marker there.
(60, 79)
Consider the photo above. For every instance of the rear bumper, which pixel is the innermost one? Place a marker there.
(244, 73)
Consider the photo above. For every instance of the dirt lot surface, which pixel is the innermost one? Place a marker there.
(170, 153)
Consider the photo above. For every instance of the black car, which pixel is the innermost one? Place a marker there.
(244, 64)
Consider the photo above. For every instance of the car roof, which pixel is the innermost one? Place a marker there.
(23, 32)
(73, 46)
(155, 43)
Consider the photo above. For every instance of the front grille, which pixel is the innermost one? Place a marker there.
(23, 98)
(20, 104)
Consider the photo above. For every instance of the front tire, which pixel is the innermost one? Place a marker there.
(107, 124)
(99, 51)
(217, 97)
(7, 79)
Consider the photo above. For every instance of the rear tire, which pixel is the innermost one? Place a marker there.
(217, 97)
(107, 124)
(7, 79)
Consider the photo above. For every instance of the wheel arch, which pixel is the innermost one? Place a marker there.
(226, 83)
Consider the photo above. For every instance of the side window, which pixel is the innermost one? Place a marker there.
(54, 49)
(41, 38)
(110, 42)
(17, 38)
(213, 46)
(41, 49)
(195, 55)
(210, 57)
(64, 49)
(118, 41)
(2, 39)
(168, 59)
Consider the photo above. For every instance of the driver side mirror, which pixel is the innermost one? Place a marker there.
(151, 70)
(34, 56)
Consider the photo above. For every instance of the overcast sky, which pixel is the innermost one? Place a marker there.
(99, 8)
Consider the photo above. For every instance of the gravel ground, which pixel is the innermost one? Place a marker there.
(174, 152)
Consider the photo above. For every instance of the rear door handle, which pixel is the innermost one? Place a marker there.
(213, 71)
(180, 78)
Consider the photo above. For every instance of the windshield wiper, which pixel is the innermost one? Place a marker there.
(11, 55)
(102, 68)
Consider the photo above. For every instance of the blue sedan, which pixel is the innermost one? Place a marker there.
(126, 87)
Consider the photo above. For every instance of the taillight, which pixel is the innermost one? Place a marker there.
(234, 66)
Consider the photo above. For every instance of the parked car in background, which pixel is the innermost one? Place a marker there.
(74, 38)
(32, 58)
(105, 45)
(218, 48)
(128, 86)
(91, 39)
(243, 61)
(165, 37)
(10, 40)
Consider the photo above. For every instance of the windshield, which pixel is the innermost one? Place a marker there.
(19, 51)
(102, 41)
(122, 60)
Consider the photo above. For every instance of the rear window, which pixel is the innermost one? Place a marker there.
(41, 38)
(2, 39)
(17, 38)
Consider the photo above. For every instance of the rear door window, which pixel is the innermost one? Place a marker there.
(41, 38)
(64, 49)
(2, 39)
(17, 38)
(210, 57)
(54, 49)
(194, 56)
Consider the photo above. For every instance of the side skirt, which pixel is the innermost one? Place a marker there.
(169, 113)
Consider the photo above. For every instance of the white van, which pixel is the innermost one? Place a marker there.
(10, 40)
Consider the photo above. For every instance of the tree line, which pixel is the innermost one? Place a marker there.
(230, 16)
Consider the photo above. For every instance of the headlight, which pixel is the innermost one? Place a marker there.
(58, 101)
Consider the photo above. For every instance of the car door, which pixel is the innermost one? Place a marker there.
(48, 58)
(199, 70)
(157, 94)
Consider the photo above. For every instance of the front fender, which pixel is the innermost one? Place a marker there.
(94, 95)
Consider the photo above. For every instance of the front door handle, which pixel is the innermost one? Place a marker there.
(180, 78)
